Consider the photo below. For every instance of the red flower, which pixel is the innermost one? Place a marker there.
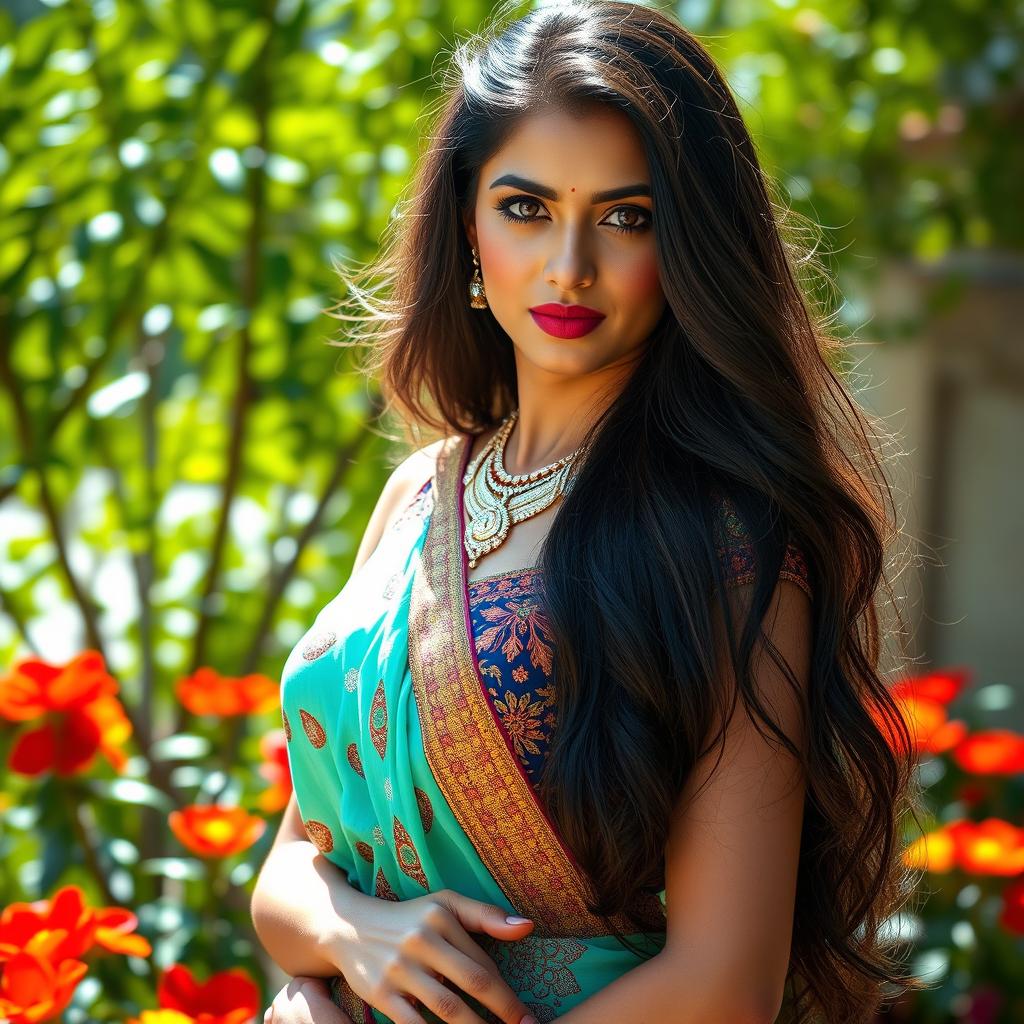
(81, 715)
(67, 928)
(276, 770)
(230, 997)
(207, 692)
(971, 793)
(940, 687)
(34, 989)
(923, 701)
(991, 752)
(213, 831)
(989, 847)
(1012, 915)
(984, 1006)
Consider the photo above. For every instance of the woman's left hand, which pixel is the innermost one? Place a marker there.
(305, 1001)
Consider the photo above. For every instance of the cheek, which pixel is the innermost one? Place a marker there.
(640, 279)
(499, 260)
(499, 254)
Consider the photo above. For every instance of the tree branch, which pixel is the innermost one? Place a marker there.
(251, 287)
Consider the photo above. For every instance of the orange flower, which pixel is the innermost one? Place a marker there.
(940, 687)
(35, 687)
(207, 692)
(931, 852)
(230, 997)
(34, 989)
(922, 702)
(213, 831)
(67, 928)
(991, 752)
(162, 1017)
(989, 847)
(82, 715)
(276, 770)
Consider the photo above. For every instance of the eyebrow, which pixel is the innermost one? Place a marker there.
(622, 192)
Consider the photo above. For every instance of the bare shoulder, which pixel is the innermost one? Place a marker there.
(399, 489)
(415, 469)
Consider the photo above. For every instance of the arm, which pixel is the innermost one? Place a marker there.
(300, 901)
(420, 951)
(300, 898)
(731, 859)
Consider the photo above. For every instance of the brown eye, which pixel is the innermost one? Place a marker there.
(527, 203)
(631, 213)
(504, 208)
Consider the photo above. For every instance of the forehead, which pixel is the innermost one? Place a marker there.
(598, 147)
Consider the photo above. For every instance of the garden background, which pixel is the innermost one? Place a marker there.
(186, 466)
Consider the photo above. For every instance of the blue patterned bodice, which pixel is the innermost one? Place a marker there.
(514, 646)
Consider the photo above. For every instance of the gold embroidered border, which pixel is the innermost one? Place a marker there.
(467, 752)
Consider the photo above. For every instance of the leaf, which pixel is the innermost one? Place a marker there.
(180, 747)
(178, 868)
(131, 791)
(246, 45)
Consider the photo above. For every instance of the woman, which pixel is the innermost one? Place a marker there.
(608, 661)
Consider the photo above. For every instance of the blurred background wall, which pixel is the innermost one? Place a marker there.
(955, 392)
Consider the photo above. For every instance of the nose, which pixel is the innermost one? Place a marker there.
(571, 267)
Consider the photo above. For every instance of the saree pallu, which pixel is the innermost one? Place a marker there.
(406, 780)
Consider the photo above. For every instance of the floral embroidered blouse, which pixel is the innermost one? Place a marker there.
(514, 646)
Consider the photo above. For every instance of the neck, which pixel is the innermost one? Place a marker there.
(554, 418)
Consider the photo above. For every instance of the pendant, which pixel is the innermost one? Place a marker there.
(494, 506)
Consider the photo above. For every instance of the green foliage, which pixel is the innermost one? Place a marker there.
(897, 124)
(186, 464)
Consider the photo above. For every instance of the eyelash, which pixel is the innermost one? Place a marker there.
(503, 211)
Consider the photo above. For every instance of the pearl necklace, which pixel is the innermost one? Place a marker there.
(495, 500)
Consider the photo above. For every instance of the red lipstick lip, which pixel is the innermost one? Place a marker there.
(573, 312)
(565, 326)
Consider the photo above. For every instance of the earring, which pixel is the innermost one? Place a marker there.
(477, 295)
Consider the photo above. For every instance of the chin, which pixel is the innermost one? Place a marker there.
(566, 364)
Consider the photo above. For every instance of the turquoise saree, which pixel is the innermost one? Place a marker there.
(407, 779)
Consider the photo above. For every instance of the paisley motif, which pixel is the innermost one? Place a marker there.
(287, 726)
(313, 729)
(379, 720)
(319, 644)
(408, 858)
(426, 811)
(355, 762)
(320, 835)
(382, 890)
(365, 850)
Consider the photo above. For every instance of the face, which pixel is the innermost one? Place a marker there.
(541, 238)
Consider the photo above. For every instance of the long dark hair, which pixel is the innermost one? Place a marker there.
(737, 393)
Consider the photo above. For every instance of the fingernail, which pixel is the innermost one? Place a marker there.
(519, 920)
(528, 1020)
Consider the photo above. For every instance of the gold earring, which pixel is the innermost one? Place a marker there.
(477, 295)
